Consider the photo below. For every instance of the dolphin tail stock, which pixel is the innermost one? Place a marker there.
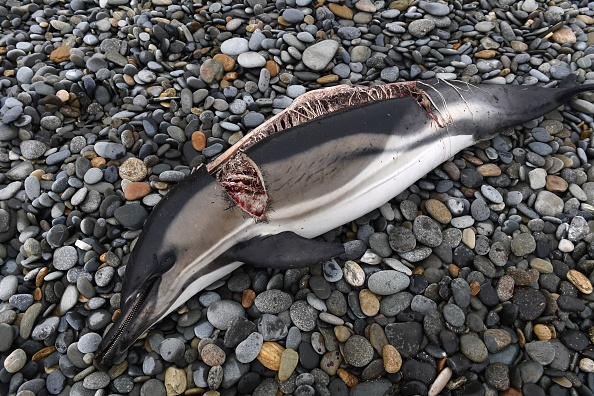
(284, 250)
(569, 87)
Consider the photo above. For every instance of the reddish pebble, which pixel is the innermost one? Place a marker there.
(136, 190)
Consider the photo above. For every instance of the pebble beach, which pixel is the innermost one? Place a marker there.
(476, 280)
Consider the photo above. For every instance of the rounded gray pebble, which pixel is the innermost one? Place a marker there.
(221, 313)
(172, 349)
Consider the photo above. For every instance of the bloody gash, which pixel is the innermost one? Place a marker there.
(334, 155)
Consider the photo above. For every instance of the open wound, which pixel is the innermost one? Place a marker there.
(242, 180)
(240, 176)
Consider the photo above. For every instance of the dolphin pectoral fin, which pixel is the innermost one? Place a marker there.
(285, 250)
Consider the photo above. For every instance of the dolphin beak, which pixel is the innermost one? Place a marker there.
(133, 320)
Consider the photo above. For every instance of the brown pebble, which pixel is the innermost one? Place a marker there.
(489, 170)
(247, 298)
(392, 359)
(229, 76)
(341, 11)
(38, 173)
(556, 184)
(133, 169)
(282, 22)
(454, 270)
(128, 79)
(60, 54)
(40, 275)
(452, 170)
(342, 333)
(370, 304)
(213, 355)
(349, 379)
(472, 159)
(511, 392)
(521, 338)
(486, 54)
(270, 355)
(97, 162)
(327, 79)
(37, 294)
(475, 288)
(441, 363)
(43, 353)
(227, 61)
(136, 190)
(198, 140)
(289, 360)
(438, 211)
(580, 281)
(542, 332)
(564, 36)
(519, 46)
(523, 277)
(272, 67)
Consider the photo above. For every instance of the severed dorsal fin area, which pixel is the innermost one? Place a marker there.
(242, 180)
(322, 102)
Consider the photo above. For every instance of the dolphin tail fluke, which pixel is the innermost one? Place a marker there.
(285, 250)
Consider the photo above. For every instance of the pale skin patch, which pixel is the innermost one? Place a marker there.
(240, 176)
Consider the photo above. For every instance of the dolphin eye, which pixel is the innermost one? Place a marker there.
(168, 260)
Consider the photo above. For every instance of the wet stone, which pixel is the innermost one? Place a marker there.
(453, 315)
(427, 231)
(405, 337)
(402, 240)
(320, 287)
(303, 315)
(497, 376)
(540, 351)
(271, 327)
(473, 348)
(418, 371)
(388, 282)
(530, 302)
(221, 313)
(358, 351)
(273, 301)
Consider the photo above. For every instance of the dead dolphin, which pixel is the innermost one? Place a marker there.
(334, 155)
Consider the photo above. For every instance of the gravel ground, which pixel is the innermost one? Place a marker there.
(475, 280)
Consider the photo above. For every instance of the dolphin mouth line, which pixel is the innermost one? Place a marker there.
(114, 341)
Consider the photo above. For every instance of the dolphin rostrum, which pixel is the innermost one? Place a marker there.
(332, 156)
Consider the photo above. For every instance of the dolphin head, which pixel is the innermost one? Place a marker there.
(142, 297)
(174, 249)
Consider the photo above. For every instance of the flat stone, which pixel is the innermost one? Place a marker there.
(405, 337)
(317, 56)
(540, 351)
(388, 282)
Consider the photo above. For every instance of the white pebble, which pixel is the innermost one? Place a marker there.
(587, 365)
(440, 382)
(565, 245)
(371, 258)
